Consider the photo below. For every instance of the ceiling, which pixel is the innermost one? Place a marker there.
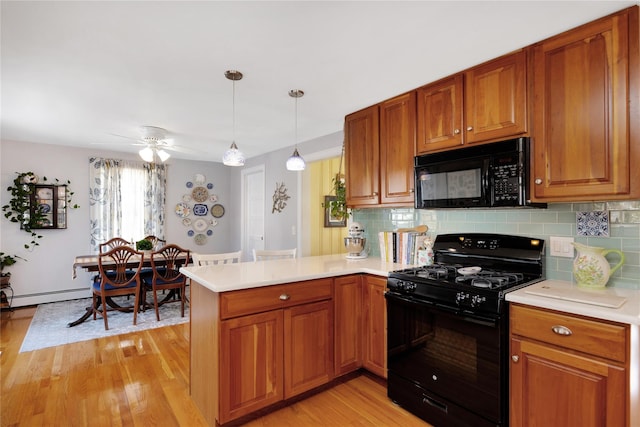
(90, 73)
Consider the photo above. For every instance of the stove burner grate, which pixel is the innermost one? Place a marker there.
(490, 279)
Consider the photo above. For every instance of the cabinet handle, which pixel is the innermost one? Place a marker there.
(375, 193)
(456, 131)
(411, 190)
(284, 297)
(538, 181)
(561, 330)
(470, 128)
(515, 358)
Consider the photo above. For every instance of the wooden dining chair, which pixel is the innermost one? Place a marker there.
(261, 254)
(113, 243)
(214, 259)
(119, 275)
(165, 266)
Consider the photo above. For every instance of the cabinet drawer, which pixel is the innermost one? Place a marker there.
(256, 300)
(591, 336)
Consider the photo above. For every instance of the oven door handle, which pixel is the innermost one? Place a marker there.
(477, 319)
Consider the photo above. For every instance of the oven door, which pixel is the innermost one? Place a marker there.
(455, 358)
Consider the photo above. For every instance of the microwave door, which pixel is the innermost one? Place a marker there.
(464, 185)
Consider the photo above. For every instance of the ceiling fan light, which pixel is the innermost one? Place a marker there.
(233, 156)
(295, 162)
(146, 154)
(163, 155)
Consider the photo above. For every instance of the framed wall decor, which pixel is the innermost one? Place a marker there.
(329, 220)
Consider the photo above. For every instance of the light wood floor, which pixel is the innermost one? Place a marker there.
(141, 379)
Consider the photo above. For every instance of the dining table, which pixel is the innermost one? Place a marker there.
(90, 263)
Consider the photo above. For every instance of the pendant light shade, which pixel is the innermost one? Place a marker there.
(296, 162)
(233, 156)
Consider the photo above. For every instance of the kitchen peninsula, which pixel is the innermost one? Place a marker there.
(265, 332)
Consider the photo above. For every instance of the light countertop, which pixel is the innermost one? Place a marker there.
(568, 297)
(245, 275)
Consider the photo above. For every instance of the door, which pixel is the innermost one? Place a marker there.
(397, 148)
(308, 347)
(582, 146)
(253, 208)
(551, 386)
(362, 155)
(252, 360)
(375, 322)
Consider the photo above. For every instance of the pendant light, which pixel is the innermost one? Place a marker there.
(233, 156)
(296, 162)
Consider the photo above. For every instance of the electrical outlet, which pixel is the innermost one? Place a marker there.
(561, 246)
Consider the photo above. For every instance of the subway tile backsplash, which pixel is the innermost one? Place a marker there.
(556, 220)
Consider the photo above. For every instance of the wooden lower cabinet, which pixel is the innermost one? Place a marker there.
(347, 305)
(251, 357)
(308, 347)
(256, 347)
(575, 376)
(375, 325)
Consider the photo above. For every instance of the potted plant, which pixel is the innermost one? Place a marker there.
(6, 261)
(144, 245)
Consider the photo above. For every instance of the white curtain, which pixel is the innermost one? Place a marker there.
(127, 199)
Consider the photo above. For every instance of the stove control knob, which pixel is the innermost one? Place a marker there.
(461, 297)
(476, 300)
(407, 286)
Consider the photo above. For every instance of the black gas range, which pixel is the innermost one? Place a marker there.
(447, 327)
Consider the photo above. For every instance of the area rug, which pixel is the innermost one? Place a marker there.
(49, 324)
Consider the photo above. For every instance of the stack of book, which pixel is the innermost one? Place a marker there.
(400, 247)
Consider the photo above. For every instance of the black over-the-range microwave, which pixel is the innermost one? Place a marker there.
(481, 176)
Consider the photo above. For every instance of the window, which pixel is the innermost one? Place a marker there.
(127, 199)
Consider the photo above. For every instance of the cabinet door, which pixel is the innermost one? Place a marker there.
(397, 149)
(362, 157)
(495, 101)
(375, 330)
(582, 144)
(439, 115)
(251, 363)
(554, 387)
(347, 306)
(308, 347)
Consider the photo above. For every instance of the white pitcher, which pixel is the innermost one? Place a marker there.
(590, 267)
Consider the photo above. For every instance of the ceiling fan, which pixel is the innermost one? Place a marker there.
(155, 143)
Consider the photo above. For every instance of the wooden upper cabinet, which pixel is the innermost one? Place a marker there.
(496, 99)
(379, 151)
(485, 103)
(586, 112)
(397, 148)
(362, 154)
(439, 113)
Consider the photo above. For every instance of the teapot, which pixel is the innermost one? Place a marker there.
(590, 267)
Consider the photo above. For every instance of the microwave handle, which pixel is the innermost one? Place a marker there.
(486, 180)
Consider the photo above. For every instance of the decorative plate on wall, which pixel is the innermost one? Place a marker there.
(200, 239)
(199, 178)
(183, 210)
(217, 210)
(186, 222)
(200, 209)
(200, 194)
(200, 224)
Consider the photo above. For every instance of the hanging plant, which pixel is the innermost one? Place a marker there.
(339, 208)
(19, 208)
